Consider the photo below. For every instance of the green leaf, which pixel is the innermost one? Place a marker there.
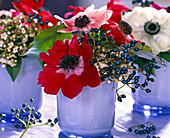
(13, 71)
(165, 55)
(45, 40)
(142, 62)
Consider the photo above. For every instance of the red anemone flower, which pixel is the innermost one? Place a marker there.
(117, 10)
(68, 67)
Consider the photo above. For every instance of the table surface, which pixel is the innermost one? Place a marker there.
(124, 118)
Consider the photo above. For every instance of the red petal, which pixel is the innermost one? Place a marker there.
(86, 52)
(72, 86)
(90, 77)
(27, 9)
(76, 10)
(18, 6)
(74, 46)
(34, 5)
(49, 59)
(59, 49)
(51, 80)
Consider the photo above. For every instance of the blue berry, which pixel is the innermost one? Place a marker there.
(136, 131)
(17, 126)
(137, 86)
(96, 30)
(55, 120)
(110, 38)
(130, 129)
(154, 127)
(148, 136)
(143, 44)
(133, 90)
(22, 20)
(29, 20)
(31, 100)
(119, 99)
(41, 23)
(35, 0)
(49, 120)
(24, 13)
(125, 50)
(117, 76)
(30, 15)
(114, 50)
(12, 110)
(123, 96)
(148, 90)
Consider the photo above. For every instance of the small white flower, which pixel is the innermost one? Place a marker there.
(24, 40)
(4, 36)
(3, 65)
(11, 44)
(1, 43)
(151, 26)
(15, 50)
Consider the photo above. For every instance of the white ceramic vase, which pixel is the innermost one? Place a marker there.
(91, 113)
(158, 101)
(24, 88)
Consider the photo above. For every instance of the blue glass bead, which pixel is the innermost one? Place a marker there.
(125, 50)
(127, 61)
(125, 46)
(136, 81)
(152, 79)
(110, 38)
(92, 29)
(137, 86)
(30, 15)
(117, 70)
(136, 49)
(117, 76)
(55, 120)
(124, 82)
(143, 44)
(102, 34)
(22, 20)
(122, 58)
(153, 60)
(96, 30)
(133, 90)
(117, 63)
(122, 54)
(114, 50)
(40, 17)
(130, 129)
(29, 20)
(136, 77)
(24, 13)
(137, 131)
(41, 23)
(106, 68)
(97, 36)
(148, 90)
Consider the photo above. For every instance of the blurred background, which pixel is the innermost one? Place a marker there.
(60, 6)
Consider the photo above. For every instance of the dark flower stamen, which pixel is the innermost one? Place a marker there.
(168, 9)
(152, 28)
(125, 27)
(69, 62)
(82, 21)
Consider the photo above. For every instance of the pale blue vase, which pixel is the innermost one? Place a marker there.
(90, 114)
(24, 88)
(158, 101)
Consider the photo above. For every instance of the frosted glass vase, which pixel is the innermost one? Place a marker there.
(90, 114)
(24, 88)
(158, 101)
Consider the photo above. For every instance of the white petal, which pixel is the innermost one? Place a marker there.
(163, 42)
(89, 9)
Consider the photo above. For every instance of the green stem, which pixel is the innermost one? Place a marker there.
(27, 122)
(38, 125)
(19, 119)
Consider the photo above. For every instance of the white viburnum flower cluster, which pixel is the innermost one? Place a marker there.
(151, 26)
(15, 38)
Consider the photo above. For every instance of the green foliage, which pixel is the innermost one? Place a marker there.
(142, 62)
(165, 55)
(45, 40)
(13, 71)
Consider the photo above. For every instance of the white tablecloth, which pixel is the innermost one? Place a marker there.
(124, 118)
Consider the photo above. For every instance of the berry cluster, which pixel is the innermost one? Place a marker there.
(118, 62)
(28, 121)
(145, 128)
(142, 3)
(14, 40)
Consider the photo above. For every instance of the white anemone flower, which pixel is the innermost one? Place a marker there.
(151, 26)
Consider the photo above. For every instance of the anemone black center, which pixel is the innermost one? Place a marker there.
(82, 21)
(152, 28)
(168, 9)
(125, 27)
(69, 62)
